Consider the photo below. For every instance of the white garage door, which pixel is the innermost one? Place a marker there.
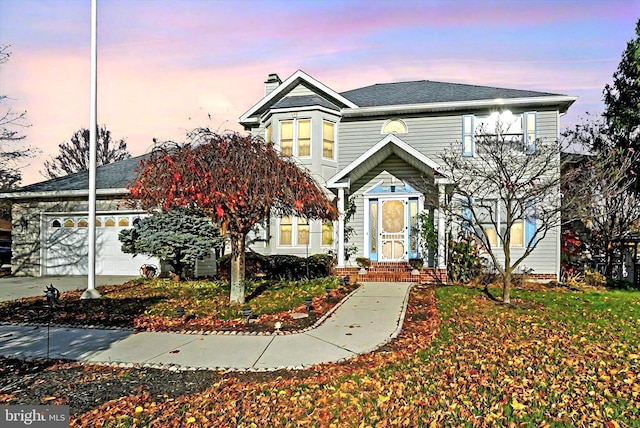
(66, 245)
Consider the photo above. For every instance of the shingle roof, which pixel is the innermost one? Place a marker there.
(111, 176)
(304, 101)
(426, 91)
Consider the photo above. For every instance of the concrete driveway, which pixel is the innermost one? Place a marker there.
(17, 287)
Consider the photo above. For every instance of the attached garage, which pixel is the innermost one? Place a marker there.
(50, 225)
(66, 239)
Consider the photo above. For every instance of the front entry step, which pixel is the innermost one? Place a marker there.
(393, 272)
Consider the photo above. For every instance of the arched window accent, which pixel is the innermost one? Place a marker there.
(98, 222)
(110, 222)
(83, 222)
(123, 222)
(56, 223)
(394, 126)
(69, 223)
(136, 221)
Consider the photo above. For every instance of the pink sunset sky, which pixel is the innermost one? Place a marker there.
(165, 66)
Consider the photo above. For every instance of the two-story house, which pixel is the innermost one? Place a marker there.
(379, 148)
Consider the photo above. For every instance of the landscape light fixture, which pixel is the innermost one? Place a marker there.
(307, 302)
(179, 312)
(246, 312)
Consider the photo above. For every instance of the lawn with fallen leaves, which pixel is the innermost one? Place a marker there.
(151, 305)
(462, 359)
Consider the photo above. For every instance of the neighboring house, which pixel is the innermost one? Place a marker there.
(5, 243)
(379, 146)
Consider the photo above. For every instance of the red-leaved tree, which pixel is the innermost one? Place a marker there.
(237, 180)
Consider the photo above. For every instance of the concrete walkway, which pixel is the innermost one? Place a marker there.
(366, 320)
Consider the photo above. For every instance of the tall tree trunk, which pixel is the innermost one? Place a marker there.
(237, 268)
(508, 270)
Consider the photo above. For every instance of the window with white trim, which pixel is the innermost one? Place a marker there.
(394, 126)
(302, 232)
(293, 231)
(285, 229)
(491, 216)
(295, 137)
(328, 140)
(515, 128)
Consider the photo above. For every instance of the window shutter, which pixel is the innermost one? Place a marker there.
(467, 135)
(467, 215)
(530, 224)
(530, 131)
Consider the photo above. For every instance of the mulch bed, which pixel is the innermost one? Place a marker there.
(84, 387)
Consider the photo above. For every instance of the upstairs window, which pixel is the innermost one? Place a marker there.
(520, 129)
(286, 138)
(328, 140)
(295, 138)
(304, 138)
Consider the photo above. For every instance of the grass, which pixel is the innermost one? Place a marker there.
(151, 305)
(552, 359)
(565, 359)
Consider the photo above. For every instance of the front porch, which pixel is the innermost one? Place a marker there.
(393, 272)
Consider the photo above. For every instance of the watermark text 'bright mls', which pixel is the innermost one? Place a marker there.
(35, 416)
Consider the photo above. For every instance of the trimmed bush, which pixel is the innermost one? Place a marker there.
(279, 266)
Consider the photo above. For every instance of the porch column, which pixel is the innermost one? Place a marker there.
(341, 227)
(442, 262)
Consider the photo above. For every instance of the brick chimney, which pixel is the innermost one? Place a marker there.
(273, 81)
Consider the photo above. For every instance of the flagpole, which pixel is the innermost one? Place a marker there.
(91, 292)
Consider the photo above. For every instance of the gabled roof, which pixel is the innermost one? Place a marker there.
(389, 145)
(297, 78)
(113, 176)
(429, 92)
(421, 96)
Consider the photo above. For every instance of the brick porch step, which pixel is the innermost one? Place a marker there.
(393, 272)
